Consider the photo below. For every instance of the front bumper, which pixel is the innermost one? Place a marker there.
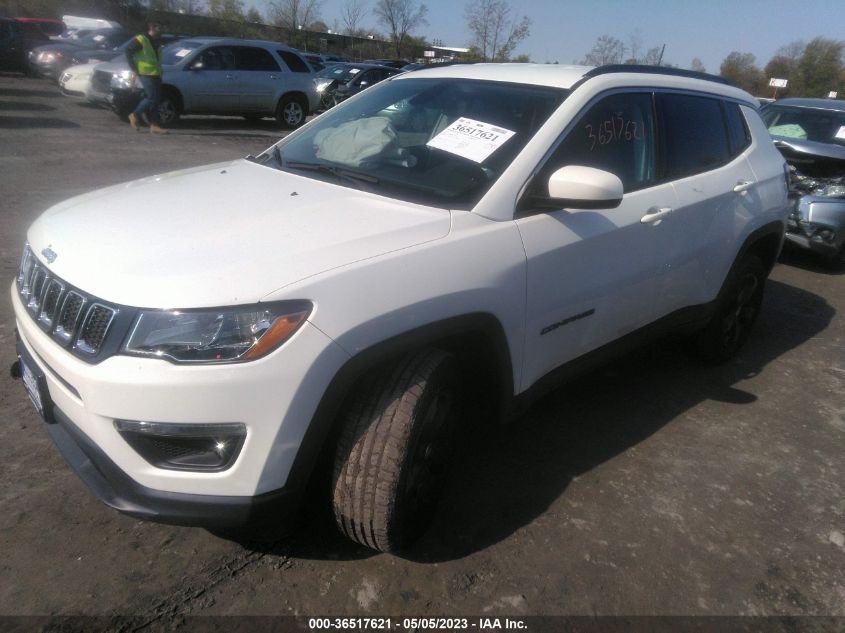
(275, 397)
(818, 224)
(116, 489)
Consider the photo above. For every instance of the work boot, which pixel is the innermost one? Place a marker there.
(133, 121)
(157, 129)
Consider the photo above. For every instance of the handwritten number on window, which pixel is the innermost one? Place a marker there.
(614, 129)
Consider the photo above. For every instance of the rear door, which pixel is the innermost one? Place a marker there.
(259, 75)
(702, 142)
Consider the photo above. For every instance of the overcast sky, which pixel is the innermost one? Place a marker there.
(564, 30)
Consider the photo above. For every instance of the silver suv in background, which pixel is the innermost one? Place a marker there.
(221, 76)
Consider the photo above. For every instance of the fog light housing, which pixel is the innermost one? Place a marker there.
(196, 447)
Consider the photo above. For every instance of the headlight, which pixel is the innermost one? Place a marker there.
(221, 335)
(125, 79)
(322, 85)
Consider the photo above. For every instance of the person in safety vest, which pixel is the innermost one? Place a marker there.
(143, 56)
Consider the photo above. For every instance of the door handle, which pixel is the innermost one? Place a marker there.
(230, 76)
(273, 77)
(743, 185)
(655, 214)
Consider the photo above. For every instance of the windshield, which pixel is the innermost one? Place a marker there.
(441, 142)
(176, 52)
(810, 124)
(97, 39)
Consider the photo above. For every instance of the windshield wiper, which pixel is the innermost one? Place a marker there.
(264, 158)
(339, 172)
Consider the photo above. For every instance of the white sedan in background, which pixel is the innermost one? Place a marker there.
(75, 81)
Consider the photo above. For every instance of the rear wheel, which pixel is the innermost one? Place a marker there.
(291, 112)
(395, 447)
(737, 308)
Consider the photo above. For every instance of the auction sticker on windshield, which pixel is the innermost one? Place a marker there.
(471, 139)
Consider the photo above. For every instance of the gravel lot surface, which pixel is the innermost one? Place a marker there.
(656, 485)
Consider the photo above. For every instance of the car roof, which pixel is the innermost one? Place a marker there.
(821, 104)
(571, 76)
(236, 41)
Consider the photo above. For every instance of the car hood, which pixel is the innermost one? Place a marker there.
(97, 53)
(57, 48)
(798, 147)
(222, 234)
(119, 64)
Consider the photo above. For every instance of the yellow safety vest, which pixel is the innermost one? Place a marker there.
(147, 58)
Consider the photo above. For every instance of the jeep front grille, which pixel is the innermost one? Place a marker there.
(73, 318)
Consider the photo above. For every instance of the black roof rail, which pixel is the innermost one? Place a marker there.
(654, 70)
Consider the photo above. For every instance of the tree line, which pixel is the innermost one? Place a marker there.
(495, 28)
(812, 69)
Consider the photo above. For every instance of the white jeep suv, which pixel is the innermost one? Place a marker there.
(196, 340)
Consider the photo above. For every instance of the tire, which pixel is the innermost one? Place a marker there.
(169, 109)
(291, 112)
(122, 114)
(737, 309)
(394, 450)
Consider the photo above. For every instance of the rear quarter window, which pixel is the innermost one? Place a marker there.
(738, 134)
(693, 136)
(294, 62)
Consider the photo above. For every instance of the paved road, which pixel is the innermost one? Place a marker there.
(654, 486)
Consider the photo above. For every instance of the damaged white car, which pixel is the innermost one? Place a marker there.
(810, 133)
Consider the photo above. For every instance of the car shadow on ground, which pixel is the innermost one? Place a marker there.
(507, 478)
(7, 91)
(17, 122)
(25, 106)
(809, 261)
(218, 125)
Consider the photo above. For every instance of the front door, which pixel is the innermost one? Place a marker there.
(591, 273)
(210, 82)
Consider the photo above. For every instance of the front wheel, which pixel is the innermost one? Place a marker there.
(737, 308)
(395, 448)
(291, 112)
(168, 109)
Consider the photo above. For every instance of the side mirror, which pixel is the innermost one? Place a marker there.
(364, 84)
(579, 187)
(197, 65)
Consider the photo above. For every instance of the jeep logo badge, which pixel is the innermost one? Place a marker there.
(49, 254)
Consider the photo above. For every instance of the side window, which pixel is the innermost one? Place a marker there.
(218, 58)
(738, 133)
(693, 135)
(616, 135)
(252, 58)
(294, 62)
(368, 76)
(5, 30)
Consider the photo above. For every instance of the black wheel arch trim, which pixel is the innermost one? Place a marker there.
(763, 237)
(447, 334)
(180, 101)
